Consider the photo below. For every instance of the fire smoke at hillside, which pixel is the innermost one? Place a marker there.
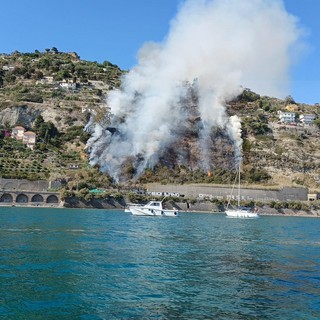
(224, 45)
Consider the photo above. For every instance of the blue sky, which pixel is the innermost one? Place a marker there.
(114, 30)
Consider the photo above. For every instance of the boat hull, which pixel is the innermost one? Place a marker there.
(141, 211)
(241, 214)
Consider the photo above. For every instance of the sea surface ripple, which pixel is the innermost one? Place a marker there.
(98, 264)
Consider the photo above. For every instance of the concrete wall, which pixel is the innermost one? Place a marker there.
(23, 185)
(223, 193)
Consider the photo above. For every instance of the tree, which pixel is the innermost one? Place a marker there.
(7, 125)
(84, 137)
(38, 75)
(317, 122)
(10, 77)
(107, 63)
(289, 100)
(38, 123)
(62, 74)
(47, 131)
(54, 49)
(44, 63)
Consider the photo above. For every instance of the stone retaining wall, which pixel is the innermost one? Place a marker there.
(223, 193)
(23, 185)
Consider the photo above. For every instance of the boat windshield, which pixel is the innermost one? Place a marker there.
(155, 204)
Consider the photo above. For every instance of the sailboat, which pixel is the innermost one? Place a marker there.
(239, 212)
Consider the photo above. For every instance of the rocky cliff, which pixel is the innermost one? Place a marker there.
(66, 91)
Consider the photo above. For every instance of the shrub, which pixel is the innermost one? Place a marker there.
(117, 196)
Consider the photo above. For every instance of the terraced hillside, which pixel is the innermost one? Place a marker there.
(55, 93)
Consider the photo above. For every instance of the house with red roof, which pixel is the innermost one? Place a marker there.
(17, 132)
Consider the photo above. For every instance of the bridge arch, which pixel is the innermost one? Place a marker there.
(52, 199)
(6, 197)
(22, 198)
(37, 198)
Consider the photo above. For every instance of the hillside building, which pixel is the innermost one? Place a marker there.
(29, 138)
(17, 132)
(307, 119)
(287, 117)
(68, 85)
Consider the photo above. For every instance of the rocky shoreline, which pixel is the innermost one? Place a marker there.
(278, 213)
(198, 207)
(203, 207)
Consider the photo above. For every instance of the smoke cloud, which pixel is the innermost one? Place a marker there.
(217, 47)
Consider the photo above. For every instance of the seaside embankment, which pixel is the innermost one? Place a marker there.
(200, 206)
(195, 207)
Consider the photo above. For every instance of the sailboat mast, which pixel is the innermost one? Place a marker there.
(239, 187)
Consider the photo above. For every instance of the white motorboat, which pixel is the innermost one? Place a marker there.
(240, 212)
(152, 208)
(127, 208)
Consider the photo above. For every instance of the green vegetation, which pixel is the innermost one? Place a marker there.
(256, 125)
(19, 162)
(32, 80)
(317, 122)
(53, 93)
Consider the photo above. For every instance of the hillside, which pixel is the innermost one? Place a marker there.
(59, 86)
(55, 94)
(61, 90)
(289, 153)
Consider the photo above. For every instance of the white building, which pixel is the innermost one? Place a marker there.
(68, 85)
(307, 118)
(287, 117)
(29, 138)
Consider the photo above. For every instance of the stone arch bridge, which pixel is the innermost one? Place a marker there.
(28, 193)
(29, 198)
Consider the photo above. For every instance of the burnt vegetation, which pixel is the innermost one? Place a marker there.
(30, 87)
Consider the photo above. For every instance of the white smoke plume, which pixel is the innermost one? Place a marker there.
(234, 130)
(224, 44)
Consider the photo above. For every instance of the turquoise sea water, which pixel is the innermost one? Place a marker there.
(95, 264)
